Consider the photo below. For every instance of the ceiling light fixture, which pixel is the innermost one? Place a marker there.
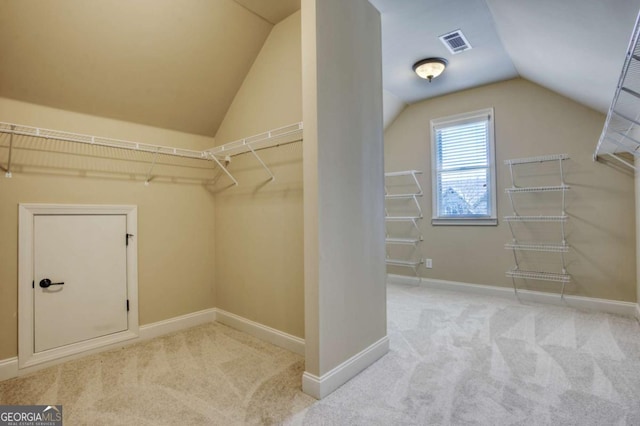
(430, 68)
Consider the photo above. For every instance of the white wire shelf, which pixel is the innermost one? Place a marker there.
(408, 180)
(276, 137)
(403, 241)
(562, 218)
(403, 173)
(289, 133)
(403, 196)
(21, 130)
(416, 190)
(402, 218)
(540, 276)
(271, 138)
(552, 248)
(622, 124)
(407, 263)
(538, 189)
(515, 246)
(539, 159)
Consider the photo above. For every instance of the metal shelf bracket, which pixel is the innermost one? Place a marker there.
(153, 163)
(8, 171)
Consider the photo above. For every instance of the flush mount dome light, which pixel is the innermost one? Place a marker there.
(430, 68)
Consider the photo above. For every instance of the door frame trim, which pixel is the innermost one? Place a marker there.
(26, 355)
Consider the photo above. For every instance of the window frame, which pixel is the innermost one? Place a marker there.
(457, 119)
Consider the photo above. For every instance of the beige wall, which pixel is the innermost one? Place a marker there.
(345, 294)
(310, 178)
(271, 94)
(392, 107)
(529, 121)
(166, 63)
(175, 212)
(259, 255)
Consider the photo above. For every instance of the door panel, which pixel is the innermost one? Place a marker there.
(88, 253)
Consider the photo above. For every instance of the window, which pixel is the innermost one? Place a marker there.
(463, 165)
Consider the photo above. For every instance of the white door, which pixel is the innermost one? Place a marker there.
(84, 257)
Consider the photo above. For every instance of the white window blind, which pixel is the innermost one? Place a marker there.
(464, 172)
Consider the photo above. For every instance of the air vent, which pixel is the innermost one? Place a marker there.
(455, 41)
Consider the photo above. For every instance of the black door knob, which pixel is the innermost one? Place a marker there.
(47, 282)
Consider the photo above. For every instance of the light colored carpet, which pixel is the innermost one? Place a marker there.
(459, 359)
(455, 359)
(207, 375)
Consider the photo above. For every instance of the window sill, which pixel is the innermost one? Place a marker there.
(489, 221)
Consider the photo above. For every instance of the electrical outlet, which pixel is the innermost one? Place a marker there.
(428, 263)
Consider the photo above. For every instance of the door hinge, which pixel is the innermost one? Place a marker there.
(33, 284)
(127, 305)
(126, 238)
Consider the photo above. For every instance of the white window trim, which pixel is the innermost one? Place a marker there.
(490, 220)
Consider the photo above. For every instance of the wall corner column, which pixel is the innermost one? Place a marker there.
(345, 289)
(637, 195)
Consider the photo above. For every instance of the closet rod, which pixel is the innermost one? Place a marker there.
(623, 161)
(270, 146)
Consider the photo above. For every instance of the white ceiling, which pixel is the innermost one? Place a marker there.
(573, 47)
(410, 30)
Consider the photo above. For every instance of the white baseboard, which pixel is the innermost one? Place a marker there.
(262, 332)
(319, 387)
(30, 361)
(160, 328)
(9, 367)
(578, 302)
(403, 279)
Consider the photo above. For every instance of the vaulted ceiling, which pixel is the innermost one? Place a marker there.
(178, 64)
(573, 47)
(164, 63)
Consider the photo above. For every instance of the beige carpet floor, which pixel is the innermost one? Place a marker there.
(207, 375)
(460, 359)
(455, 359)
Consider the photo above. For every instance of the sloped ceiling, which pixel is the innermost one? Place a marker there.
(178, 64)
(272, 11)
(573, 47)
(410, 31)
(164, 63)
